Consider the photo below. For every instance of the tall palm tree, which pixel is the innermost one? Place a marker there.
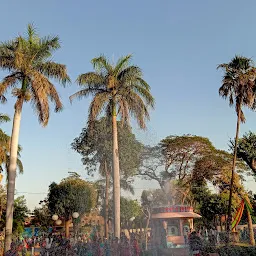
(238, 86)
(5, 142)
(104, 189)
(118, 90)
(28, 59)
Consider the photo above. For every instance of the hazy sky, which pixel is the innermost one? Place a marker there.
(178, 44)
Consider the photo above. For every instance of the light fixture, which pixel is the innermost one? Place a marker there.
(55, 217)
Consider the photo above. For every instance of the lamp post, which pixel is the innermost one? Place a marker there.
(75, 215)
(148, 215)
(58, 221)
(131, 220)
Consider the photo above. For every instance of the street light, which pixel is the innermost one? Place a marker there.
(75, 215)
(58, 222)
(132, 219)
(55, 217)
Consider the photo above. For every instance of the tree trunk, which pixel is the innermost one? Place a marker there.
(11, 178)
(106, 199)
(146, 230)
(250, 228)
(67, 224)
(232, 175)
(116, 176)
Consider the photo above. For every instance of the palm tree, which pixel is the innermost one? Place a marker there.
(5, 141)
(117, 90)
(28, 61)
(238, 86)
(104, 189)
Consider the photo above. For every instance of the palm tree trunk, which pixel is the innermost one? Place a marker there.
(11, 178)
(106, 199)
(250, 228)
(233, 174)
(116, 175)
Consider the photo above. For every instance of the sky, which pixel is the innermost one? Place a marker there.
(178, 45)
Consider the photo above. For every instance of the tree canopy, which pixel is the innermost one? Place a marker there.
(95, 147)
(246, 150)
(71, 195)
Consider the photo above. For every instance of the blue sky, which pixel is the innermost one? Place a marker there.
(178, 44)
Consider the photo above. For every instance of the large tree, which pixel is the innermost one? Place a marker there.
(238, 86)
(246, 150)
(5, 141)
(29, 61)
(71, 195)
(95, 147)
(172, 162)
(118, 90)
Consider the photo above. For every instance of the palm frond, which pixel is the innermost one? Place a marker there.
(92, 79)
(102, 65)
(54, 70)
(4, 118)
(9, 82)
(122, 63)
(129, 74)
(20, 166)
(83, 93)
(97, 105)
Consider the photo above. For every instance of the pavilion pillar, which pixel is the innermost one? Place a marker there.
(181, 227)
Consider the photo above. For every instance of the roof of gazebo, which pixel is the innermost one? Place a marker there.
(171, 215)
(174, 211)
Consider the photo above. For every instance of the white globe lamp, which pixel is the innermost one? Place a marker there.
(75, 215)
(58, 222)
(132, 219)
(55, 217)
(150, 197)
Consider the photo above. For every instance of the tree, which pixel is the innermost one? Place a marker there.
(103, 186)
(95, 147)
(42, 217)
(117, 90)
(172, 163)
(28, 59)
(71, 195)
(20, 213)
(212, 206)
(238, 86)
(129, 209)
(246, 150)
(247, 153)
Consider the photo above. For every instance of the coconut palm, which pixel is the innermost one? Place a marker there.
(5, 148)
(104, 188)
(117, 90)
(28, 60)
(238, 86)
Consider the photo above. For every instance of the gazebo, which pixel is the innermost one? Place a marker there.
(172, 223)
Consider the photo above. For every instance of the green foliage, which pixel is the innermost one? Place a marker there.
(181, 163)
(129, 209)
(28, 59)
(116, 90)
(211, 206)
(95, 147)
(20, 213)
(238, 83)
(5, 148)
(72, 194)
(181, 153)
(246, 150)
(42, 217)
